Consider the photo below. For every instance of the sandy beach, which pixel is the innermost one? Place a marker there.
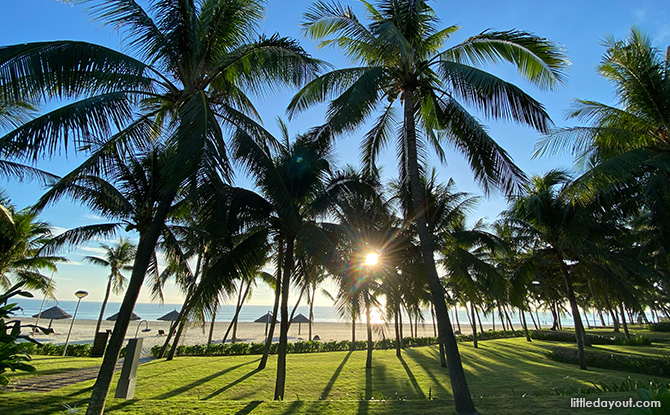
(83, 332)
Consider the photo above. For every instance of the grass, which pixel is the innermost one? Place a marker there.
(504, 377)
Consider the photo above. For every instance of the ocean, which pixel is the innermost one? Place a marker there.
(90, 310)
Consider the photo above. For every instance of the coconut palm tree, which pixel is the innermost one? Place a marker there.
(193, 67)
(22, 255)
(117, 258)
(289, 180)
(401, 57)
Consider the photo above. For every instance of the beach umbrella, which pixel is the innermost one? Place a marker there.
(265, 318)
(300, 319)
(171, 316)
(53, 313)
(114, 317)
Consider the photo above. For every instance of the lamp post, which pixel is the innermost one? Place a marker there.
(146, 330)
(79, 294)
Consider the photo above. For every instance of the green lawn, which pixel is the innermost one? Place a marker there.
(504, 376)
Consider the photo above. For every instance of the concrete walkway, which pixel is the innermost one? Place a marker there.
(48, 383)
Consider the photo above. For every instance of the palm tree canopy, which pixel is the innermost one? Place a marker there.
(400, 51)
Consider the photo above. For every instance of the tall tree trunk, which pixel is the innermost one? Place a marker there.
(493, 319)
(368, 321)
(459, 384)
(275, 307)
(509, 320)
(311, 311)
(177, 337)
(174, 326)
(402, 336)
(539, 323)
(473, 323)
(280, 383)
(211, 330)
(502, 318)
(579, 327)
(411, 326)
(458, 321)
(104, 305)
(238, 307)
(586, 317)
(144, 254)
(615, 319)
(352, 347)
(397, 333)
(533, 319)
(432, 315)
(524, 324)
(479, 319)
(623, 321)
(554, 315)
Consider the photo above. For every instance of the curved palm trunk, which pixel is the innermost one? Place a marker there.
(479, 320)
(311, 311)
(579, 328)
(174, 326)
(432, 314)
(104, 305)
(177, 337)
(145, 250)
(238, 308)
(459, 384)
(280, 383)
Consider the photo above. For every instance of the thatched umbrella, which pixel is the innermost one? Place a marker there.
(171, 316)
(300, 319)
(115, 316)
(265, 318)
(53, 313)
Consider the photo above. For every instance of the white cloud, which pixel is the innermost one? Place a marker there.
(96, 250)
(73, 263)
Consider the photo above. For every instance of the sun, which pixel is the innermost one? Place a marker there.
(371, 259)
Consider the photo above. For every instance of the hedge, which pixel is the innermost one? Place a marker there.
(654, 366)
(660, 326)
(562, 336)
(50, 349)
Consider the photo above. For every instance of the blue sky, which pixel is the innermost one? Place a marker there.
(578, 26)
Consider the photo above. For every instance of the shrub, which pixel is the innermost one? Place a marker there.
(562, 336)
(654, 366)
(660, 326)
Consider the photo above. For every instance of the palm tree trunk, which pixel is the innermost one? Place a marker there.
(458, 321)
(311, 311)
(402, 336)
(509, 320)
(211, 330)
(459, 384)
(368, 321)
(602, 318)
(177, 337)
(537, 316)
(397, 333)
(238, 307)
(280, 383)
(275, 307)
(473, 324)
(432, 314)
(145, 251)
(411, 327)
(104, 305)
(554, 315)
(174, 326)
(623, 321)
(479, 319)
(579, 327)
(353, 332)
(525, 325)
(533, 319)
(493, 319)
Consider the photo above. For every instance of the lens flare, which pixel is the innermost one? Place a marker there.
(371, 259)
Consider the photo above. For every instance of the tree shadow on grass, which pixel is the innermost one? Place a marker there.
(248, 408)
(333, 378)
(430, 366)
(231, 384)
(293, 407)
(201, 381)
(368, 384)
(412, 379)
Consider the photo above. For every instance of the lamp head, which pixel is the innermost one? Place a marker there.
(81, 294)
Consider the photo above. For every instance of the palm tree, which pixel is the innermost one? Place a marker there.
(22, 255)
(401, 59)
(117, 258)
(196, 63)
(289, 180)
